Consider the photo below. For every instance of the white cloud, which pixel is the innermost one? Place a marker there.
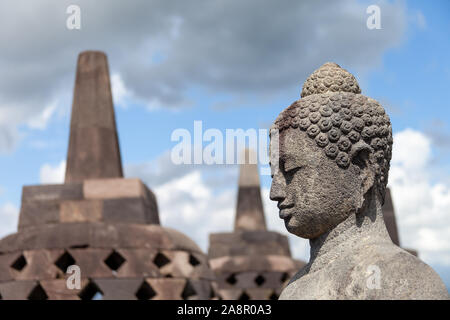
(422, 206)
(9, 216)
(121, 94)
(52, 174)
(163, 50)
(40, 121)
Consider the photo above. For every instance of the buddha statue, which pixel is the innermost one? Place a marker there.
(330, 167)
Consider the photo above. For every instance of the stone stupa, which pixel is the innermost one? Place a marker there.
(100, 221)
(391, 221)
(250, 262)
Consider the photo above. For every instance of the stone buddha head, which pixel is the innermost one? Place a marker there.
(333, 154)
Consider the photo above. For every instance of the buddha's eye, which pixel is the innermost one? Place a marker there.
(291, 167)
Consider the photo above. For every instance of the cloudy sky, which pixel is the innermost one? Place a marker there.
(231, 65)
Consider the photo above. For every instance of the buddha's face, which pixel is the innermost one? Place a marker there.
(313, 193)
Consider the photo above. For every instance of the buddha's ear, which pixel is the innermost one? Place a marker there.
(361, 155)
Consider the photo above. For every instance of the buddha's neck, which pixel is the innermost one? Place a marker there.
(358, 229)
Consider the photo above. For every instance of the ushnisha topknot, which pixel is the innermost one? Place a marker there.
(330, 77)
(334, 114)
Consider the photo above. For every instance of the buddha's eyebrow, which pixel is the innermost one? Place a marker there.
(293, 160)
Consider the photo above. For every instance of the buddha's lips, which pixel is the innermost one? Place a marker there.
(284, 213)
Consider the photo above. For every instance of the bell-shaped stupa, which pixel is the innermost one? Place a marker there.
(105, 225)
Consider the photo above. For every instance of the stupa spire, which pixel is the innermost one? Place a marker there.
(93, 143)
(389, 218)
(249, 210)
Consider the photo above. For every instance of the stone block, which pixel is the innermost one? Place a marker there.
(16, 290)
(37, 213)
(248, 243)
(40, 204)
(124, 210)
(49, 192)
(230, 294)
(81, 211)
(167, 289)
(57, 289)
(113, 188)
(259, 294)
(202, 289)
(119, 289)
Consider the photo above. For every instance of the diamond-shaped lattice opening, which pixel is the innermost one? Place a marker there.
(19, 263)
(91, 292)
(259, 280)
(161, 260)
(145, 292)
(38, 293)
(188, 291)
(114, 260)
(273, 296)
(193, 260)
(231, 279)
(244, 296)
(64, 261)
(284, 277)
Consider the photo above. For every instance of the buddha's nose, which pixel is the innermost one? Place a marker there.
(278, 188)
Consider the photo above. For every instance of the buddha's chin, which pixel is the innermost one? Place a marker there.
(292, 226)
(300, 229)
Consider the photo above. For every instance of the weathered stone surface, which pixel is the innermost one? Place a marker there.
(139, 262)
(93, 144)
(329, 180)
(16, 290)
(259, 294)
(247, 243)
(125, 210)
(119, 289)
(41, 204)
(39, 265)
(57, 289)
(68, 191)
(230, 294)
(81, 211)
(113, 188)
(166, 288)
(92, 262)
(6, 260)
(256, 263)
(98, 235)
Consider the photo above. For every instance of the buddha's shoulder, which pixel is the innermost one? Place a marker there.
(404, 275)
(377, 271)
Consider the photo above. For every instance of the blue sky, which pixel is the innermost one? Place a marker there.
(243, 84)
